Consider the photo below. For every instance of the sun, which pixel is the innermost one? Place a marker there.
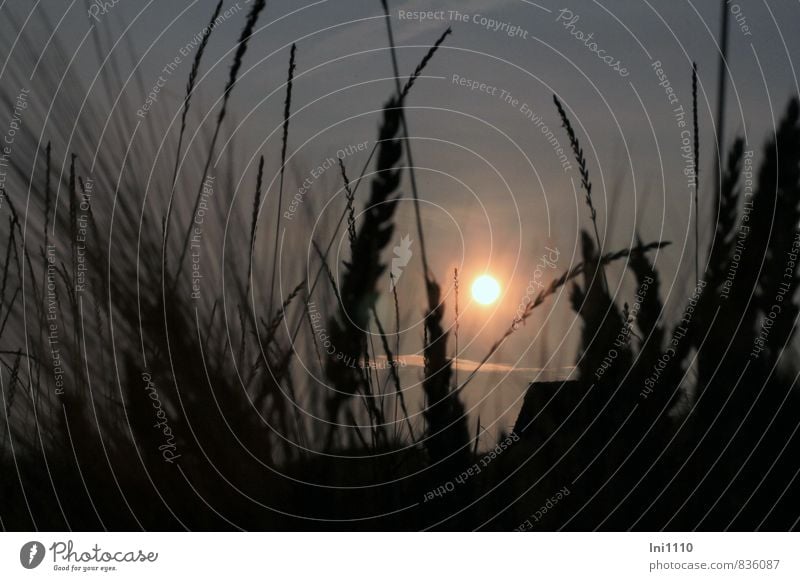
(485, 289)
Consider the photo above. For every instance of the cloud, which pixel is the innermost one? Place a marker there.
(468, 366)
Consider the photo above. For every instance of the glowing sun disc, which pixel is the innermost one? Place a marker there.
(485, 290)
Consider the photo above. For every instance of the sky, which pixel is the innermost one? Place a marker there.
(495, 192)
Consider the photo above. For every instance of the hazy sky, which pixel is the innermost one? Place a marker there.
(497, 159)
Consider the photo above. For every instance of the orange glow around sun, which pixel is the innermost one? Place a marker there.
(485, 289)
